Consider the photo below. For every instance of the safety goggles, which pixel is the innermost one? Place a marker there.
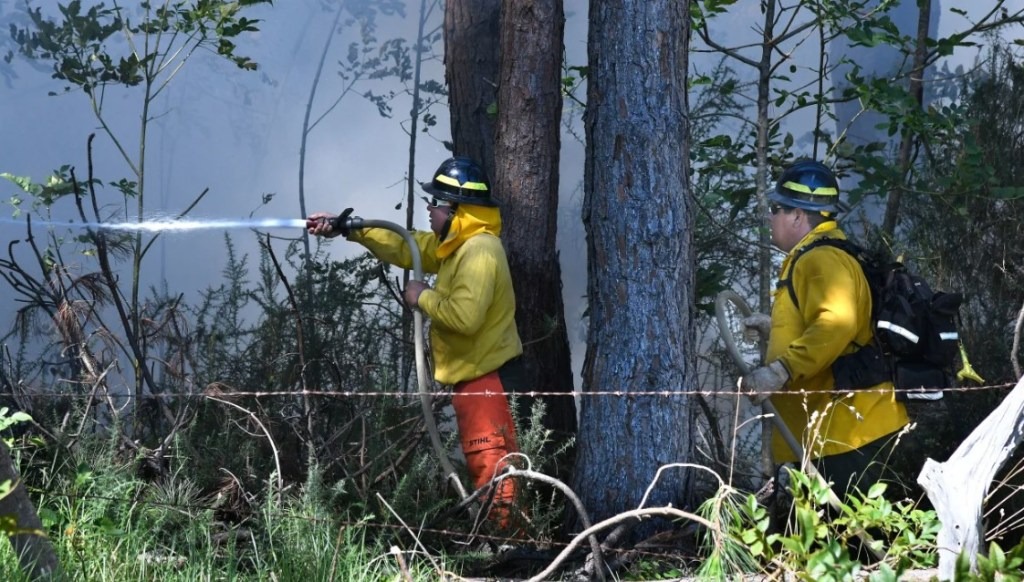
(437, 202)
(774, 208)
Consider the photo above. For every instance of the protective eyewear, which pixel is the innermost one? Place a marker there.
(437, 202)
(775, 208)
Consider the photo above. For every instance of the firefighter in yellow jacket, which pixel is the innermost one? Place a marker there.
(473, 334)
(821, 313)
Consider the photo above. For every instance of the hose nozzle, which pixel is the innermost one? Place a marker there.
(345, 222)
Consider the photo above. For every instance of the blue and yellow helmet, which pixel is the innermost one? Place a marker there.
(462, 181)
(808, 185)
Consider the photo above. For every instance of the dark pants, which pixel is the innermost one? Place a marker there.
(859, 469)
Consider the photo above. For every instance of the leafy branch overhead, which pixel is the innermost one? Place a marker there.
(79, 42)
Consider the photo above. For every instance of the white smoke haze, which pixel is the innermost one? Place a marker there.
(238, 134)
(232, 132)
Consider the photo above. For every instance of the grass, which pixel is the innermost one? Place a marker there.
(290, 543)
(107, 525)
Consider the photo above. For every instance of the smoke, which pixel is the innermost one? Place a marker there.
(226, 143)
(223, 142)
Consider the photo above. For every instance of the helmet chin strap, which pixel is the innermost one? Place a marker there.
(447, 223)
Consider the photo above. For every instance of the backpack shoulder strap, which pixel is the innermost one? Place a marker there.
(845, 245)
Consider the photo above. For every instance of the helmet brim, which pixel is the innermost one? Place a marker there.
(429, 188)
(433, 190)
(793, 202)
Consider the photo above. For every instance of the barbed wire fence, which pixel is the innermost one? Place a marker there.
(224, 392)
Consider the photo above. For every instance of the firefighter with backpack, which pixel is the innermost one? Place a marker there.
(821, 312)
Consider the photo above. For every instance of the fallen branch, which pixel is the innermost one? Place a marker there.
(437, 567)
(958, 487)
(615, 519)
(270, 439)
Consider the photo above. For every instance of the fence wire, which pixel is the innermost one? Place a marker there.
(225, 391)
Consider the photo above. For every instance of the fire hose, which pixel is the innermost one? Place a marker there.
(729, 340)
(726, 329)
(355, 223)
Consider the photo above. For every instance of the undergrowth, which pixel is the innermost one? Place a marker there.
(107, 524)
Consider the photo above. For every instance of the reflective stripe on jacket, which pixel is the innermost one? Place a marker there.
(833, 319)
(471, 306)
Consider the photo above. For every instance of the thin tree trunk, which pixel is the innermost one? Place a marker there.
(408, 359)
(314, 335)
(764, 255)
(304, 139)
(892, 205)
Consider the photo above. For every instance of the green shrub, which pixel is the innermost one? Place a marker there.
(819, 543)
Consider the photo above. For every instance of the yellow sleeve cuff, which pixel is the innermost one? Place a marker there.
(428, 301)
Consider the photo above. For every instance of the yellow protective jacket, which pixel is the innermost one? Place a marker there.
(472, 304)
(833, 318)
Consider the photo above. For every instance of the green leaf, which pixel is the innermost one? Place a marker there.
(718, 141)
(9, 421)
(22, 182)
(876, 491)
(996, 557)
(806, 521)
(695, 81)
(1008, 192)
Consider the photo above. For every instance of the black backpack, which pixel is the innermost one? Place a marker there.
(916, 343)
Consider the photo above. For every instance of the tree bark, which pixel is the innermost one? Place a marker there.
(471, 29)
(761, 179)
(638, 214)
(34, 550)
(527, 145)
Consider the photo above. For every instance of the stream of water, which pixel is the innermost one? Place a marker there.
(170, 224)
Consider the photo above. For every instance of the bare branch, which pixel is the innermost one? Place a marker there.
(1015, 351)
(270, 440)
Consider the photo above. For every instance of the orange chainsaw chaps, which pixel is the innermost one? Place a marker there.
(487, 434)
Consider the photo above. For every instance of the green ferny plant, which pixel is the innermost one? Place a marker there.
(816, 545)
(9, 420)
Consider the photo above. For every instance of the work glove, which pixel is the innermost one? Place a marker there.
(761, 382)
(756, 324)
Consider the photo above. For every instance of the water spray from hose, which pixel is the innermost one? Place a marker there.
(168, 224)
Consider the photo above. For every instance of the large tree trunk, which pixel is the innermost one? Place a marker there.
(471, 29)
(638, 214)
(526, 179)
(34, 551)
